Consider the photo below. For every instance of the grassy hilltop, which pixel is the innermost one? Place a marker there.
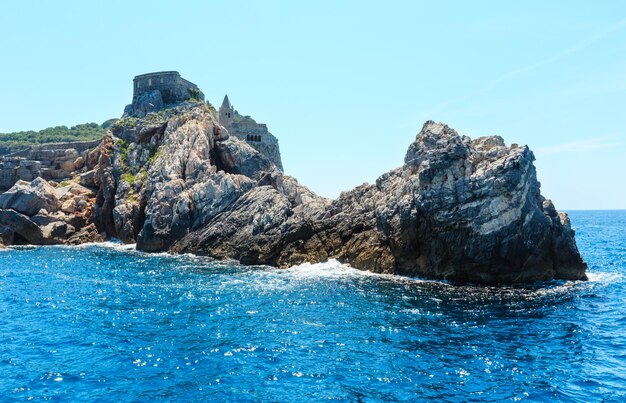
(12, 142)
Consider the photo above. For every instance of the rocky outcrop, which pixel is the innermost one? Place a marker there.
(54, 161)
(39, 213)
(171, 173)
(30, 197)
(458, 209)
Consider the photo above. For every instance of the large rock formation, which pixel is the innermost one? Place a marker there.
(457, 209)
(169, 176)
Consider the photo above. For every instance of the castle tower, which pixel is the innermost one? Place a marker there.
(226, 112)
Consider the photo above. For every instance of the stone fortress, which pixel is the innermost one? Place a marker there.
(151, 92)
(155, 91)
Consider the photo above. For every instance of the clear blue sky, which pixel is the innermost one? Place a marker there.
(346, 85)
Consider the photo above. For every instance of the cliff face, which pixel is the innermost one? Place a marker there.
(458, 208)
(171, 173)
(175, 180)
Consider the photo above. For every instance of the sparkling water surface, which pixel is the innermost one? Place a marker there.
(106, 323)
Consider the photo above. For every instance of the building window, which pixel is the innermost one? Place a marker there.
(161, 80)
(149, 82)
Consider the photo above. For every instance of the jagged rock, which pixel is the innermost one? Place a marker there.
(57, 230)
(240, 158)
(7, 236)
(146, 103)
(458, 209)
(79, 163)
(48, 224)
(23, 227)
(105, 199)
(87, 178)
(88, 233)
(29, 198)
(54, 161)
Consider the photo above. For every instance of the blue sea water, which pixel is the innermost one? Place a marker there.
(106, 323)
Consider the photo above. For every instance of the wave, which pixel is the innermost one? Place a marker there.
(117, 245)
(605, 277)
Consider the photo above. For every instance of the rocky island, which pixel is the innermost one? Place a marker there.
(174, 174)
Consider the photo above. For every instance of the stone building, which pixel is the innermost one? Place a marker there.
(247, 129)
(154, 91)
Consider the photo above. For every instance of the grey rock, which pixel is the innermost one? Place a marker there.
(458, 209)
(29, 198)
(7, 236)
(23, 229)
(147, 102)
(88, 233)
(87, 178)
(54, 161)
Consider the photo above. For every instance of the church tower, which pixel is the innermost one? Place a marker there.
(226, 112)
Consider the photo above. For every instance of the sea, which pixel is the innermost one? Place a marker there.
(105, 323)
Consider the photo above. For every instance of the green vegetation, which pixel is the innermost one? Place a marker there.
(194, 93)
(155, 153)
(123, 147)
(124, 122)
(129, 178)
(16, 141)
(108, 123)
(240, 118)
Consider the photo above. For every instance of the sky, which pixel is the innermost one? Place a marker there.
(346, 85)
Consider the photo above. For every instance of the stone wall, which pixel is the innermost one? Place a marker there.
(170, 84)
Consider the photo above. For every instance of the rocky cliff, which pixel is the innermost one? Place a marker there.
(458, 209)
(54, 161)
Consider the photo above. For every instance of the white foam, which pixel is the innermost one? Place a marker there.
(330, 268)
(108, 244)
(605, 277)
